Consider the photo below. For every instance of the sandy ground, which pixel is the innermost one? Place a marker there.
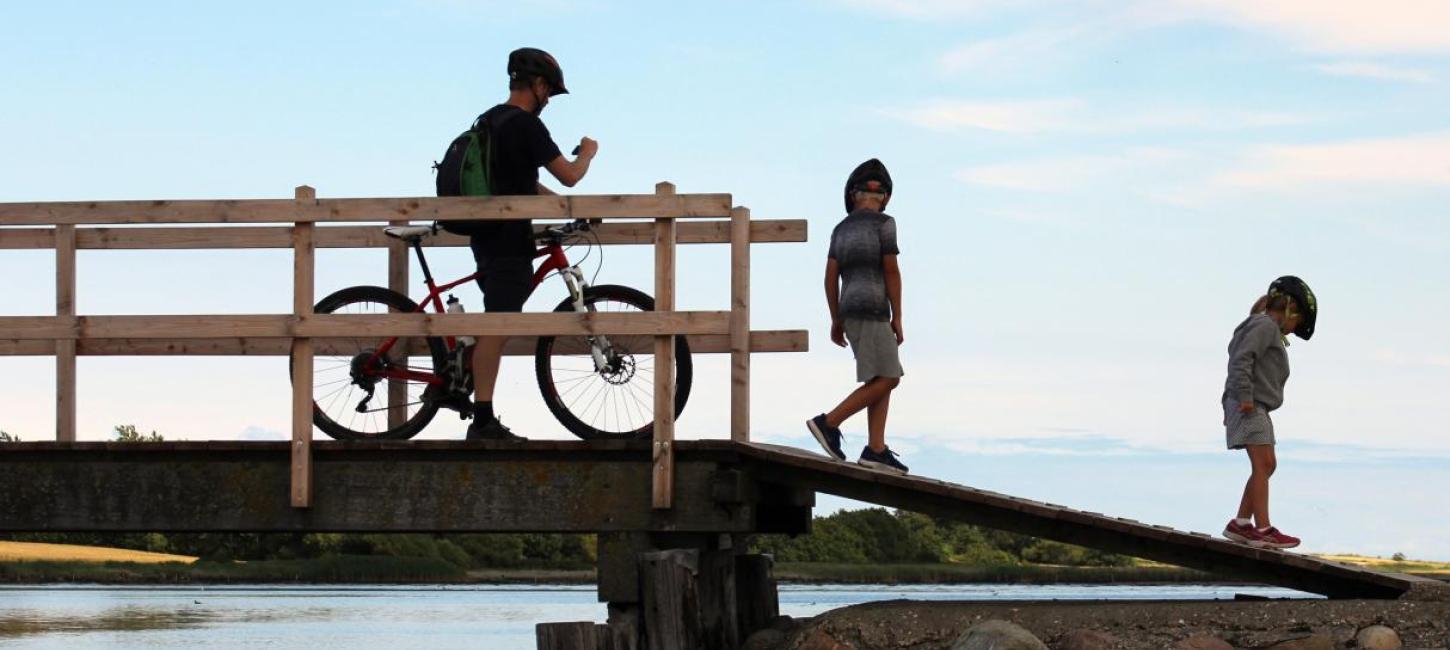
(919, 625)
(36, 552)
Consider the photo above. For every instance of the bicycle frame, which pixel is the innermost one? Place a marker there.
(554, 261)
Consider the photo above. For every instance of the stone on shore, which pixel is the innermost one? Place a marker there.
(1315, 642)
(997, 635)
(1087, 640)
(1202, 642)
(820, 639)
(1378, 637)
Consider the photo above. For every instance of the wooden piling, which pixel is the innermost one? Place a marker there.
(302, 298)
(566, 636)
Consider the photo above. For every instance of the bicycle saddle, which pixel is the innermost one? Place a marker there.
(408, 233)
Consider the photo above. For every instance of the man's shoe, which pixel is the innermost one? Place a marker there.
(885, 460)
(1272, 538)
(1234, 532)
(827, 435)
(492, 430)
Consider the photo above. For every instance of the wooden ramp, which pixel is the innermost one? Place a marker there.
(797, 468)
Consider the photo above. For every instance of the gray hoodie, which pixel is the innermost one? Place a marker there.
(1258, 364)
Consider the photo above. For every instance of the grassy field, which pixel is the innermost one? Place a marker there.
(25, 562)
(37, 552)
(1420, 567)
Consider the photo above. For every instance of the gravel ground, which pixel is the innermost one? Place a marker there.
(921, 625)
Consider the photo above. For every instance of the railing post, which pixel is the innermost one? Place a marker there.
(302, 288)
(664, 427)
(740, 324)
(65, 350)
(398, 281)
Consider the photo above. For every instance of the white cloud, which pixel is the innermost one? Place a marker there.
(254, 432)
(1011, 53)
(1328, 26)
(929, 9)
(1385, 26)
(1407, 160)
(1375, 71)
(1072, 172)
(1076, 116)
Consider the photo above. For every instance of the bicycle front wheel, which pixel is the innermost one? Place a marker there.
(616, 401)
(354, 381)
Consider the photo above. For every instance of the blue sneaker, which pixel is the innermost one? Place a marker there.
(827, 435)
(885, 460)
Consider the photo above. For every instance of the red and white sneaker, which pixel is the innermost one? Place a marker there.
(1245, 533)
(1272, 538)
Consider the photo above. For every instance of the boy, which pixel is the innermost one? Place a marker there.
(863, 293)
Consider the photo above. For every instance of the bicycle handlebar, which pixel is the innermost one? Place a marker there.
(551, 232)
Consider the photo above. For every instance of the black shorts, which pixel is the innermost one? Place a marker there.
(506, 281)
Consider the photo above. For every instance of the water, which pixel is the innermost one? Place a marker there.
(500, 617)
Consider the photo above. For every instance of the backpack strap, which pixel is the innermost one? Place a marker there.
(486, 128)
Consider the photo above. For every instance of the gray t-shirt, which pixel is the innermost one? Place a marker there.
(1258, 364)
(857, 244)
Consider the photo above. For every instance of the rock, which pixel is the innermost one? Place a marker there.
(1315, 642)
(1378, 637)
(1202, 643)
(1087, 640)
(997, 635)
(766, 639)
(822, 640)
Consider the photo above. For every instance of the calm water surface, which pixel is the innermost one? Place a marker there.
(496, 617)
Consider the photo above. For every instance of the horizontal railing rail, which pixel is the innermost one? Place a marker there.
(648, 219)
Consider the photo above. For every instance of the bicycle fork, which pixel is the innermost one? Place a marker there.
(599, 346)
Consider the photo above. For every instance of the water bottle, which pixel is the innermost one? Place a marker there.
(456, 307)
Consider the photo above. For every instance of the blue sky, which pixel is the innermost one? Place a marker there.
(1089, 197)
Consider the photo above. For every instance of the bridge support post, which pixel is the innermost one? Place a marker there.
(683, 590)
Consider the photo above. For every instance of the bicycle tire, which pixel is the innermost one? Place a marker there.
(397, 302)
(684, 369)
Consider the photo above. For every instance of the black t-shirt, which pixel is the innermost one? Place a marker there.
(521, 145)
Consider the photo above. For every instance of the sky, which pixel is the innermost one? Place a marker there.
(1089, 197)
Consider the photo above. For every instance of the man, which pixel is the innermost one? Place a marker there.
(504, 250)
(863, 294)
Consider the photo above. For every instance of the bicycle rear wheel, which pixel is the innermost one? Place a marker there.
(346, 370)
(616, 402)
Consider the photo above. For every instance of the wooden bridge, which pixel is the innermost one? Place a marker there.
(673, 517)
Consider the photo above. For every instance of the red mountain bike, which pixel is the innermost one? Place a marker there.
(599, 387)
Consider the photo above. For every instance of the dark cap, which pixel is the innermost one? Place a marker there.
(528, 62)
(1303, 299)
(869, 176)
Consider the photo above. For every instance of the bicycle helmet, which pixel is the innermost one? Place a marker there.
(529, 62)
(869, 176)
(1303, 298)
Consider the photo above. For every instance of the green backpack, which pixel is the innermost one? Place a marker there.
(466, 168)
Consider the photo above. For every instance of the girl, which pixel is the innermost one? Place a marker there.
(1258, 366)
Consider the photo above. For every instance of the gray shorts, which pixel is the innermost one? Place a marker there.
(874, 344)
(1243, 429)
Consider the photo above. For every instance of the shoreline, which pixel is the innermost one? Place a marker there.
(405, 571)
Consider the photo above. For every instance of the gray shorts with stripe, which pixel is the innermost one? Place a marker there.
(1243, 429)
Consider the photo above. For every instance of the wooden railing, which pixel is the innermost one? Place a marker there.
(702, 218)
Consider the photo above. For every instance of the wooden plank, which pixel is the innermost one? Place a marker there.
(761, 341)
(27, 238)
(231, 326)
(641, 206)
(664, 424)
(397, 281)
(757, 598)
(566, 636)
(303, 274)
(671, 601)
(740, 325)
(253, 237)
(65, 351)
